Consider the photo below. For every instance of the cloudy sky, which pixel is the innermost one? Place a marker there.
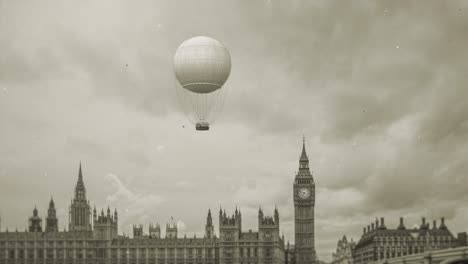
(378, 88)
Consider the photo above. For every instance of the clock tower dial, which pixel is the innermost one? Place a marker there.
(304, 218)
(303, 193)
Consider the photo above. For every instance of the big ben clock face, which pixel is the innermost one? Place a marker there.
(303, 193)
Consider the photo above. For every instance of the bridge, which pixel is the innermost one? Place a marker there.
(457, 255)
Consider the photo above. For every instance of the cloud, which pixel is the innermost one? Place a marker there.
(386, 127)
(160, 148)
(181, 226)
(134, 207)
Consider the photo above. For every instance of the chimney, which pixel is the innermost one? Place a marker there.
(434, 225)
(442, 223)
(372, 226)
(376, 223)
(401, 226)
(382, 222)
(368, 228)
(424, 221)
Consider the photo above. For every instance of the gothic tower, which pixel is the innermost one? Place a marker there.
(155, 231)
(137, 231)
(209, 228)
(304, 203)
(171, 229)
(230, 227)
(51, 219)
(268, 227)
(105, 226)
(35, 222)
(80, 210)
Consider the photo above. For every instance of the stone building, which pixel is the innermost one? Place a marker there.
(379, 242)
(344, 251)
(304, 214)
(93, 237)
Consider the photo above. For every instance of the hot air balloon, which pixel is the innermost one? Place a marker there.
(202, 66)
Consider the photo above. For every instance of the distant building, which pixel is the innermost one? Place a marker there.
(378, 242)
(344, 252)
(462, 239)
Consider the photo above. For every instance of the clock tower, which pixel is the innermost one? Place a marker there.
(304, 204)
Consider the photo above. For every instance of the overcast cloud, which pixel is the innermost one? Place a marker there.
(378, 88)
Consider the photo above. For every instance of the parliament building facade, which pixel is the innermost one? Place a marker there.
(92, 236)
(380, 243)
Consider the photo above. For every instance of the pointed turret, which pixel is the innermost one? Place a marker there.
(304, 171)
(276, 215)
(51, 203)
(304, 157)
(80, 190)
(80, 174)
(35, 222)
(209, 220)
(51, 219)
(171, 229)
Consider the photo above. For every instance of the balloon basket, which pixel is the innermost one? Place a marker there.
(202, 126)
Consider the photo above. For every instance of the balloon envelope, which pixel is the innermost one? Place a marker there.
(202, 65)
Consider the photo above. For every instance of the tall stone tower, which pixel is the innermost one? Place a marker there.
(171, 229)
(268, 227)
(35, 222)
(230, 229)
(51, 219)
(304, 203)
(137, 231)
(105, 226)
(209, 228)
(155, 231)
(80, 210)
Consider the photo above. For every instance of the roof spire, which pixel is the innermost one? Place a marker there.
(303, 154)
(80, 174)
(51, 203)
(80, 190)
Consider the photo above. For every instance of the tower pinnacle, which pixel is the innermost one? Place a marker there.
(80, 174)
(80, 190)
(304, 218)
(80, 210)
(303, 154)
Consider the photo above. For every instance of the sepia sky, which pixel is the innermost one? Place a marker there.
(378, 88)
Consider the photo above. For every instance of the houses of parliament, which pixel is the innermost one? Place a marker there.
(93, 237)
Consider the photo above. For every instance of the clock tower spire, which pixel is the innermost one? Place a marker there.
(304, 160)
(304, 204)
